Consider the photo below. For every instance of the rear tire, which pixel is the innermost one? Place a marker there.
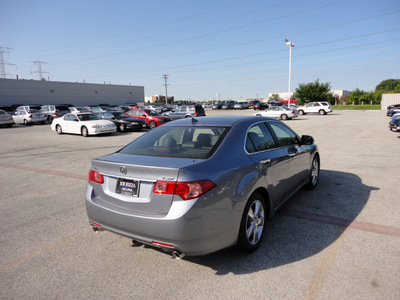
(284, 117)
(301, 112)
(252, 225)
(26, 122)
(322, 112)
(121, 127)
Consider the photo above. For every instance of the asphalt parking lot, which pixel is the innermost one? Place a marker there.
(339, 241)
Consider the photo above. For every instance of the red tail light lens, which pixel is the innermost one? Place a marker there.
(186, 190)
(30, 116)
(96, 177)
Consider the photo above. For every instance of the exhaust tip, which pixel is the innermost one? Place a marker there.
(177, 254)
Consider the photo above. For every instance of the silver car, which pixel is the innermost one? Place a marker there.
(195, 186)
(30, 116)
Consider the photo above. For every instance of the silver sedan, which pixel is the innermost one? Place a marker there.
(195, 186)
(281, 112)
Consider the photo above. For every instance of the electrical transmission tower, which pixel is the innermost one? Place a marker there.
(3, 50)
(39, 71)
(166, 90)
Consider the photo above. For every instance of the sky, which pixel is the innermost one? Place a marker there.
(210, 50)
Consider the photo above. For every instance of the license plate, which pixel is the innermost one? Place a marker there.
(127, 187)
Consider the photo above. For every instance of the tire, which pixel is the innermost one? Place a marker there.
(314, 174)
(84, 131)
(252, 225)
(121, 127)
(49, 119)
(10, 125)
(152, 124)
(59, 129)
(322, 112)
(301, 112)
(284, 117)
(26, 122)
(258, 115)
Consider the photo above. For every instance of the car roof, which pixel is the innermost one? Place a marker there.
(227, 121)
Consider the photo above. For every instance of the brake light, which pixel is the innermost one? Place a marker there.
(30, 116)
(186, 190)
(55, 113)
(95, 177)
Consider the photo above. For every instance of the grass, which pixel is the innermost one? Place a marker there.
(357, 107)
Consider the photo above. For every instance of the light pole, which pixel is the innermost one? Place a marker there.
(290, 44)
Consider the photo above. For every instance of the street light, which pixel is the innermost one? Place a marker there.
(290, 44)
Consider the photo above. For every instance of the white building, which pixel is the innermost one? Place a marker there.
(285, 95)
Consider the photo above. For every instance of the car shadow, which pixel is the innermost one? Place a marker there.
(306, 225)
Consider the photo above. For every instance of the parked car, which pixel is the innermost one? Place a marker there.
(54, 111)
(321, 108)
(281, 112)
(197, 187)
(7, 109)
(152, 118)
(216, 106)
(186, 111)
(80, 109)
(253, 102)
(123, 121)
(28, 117)
(228, 105)
(394, 124)
(28, 107)
(393, 111)
(393, 106)
(82, 123)
(241, 105)
(6, 118)
(260, 106)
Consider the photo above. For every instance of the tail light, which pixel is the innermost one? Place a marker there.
(55, 113)
(186, 190)
(30, 116)
(95, 177)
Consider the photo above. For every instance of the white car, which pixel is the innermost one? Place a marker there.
(281, 112)
(29, 116)
(82, 123)
(321, 108)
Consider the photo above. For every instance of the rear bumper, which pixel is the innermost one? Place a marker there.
(189, 227)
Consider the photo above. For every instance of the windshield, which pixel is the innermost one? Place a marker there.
(88, 117)
(151, 112)
(183, 142)
(120, 116)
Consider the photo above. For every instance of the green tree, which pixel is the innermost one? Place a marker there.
(314, 91)
(389, 86)
(274, 97)
(359, 97)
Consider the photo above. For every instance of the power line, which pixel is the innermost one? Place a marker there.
(39, 71)
(3, 50)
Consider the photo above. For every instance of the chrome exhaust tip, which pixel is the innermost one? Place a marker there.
(177, 254)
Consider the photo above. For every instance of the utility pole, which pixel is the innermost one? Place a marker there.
(39, 71)
(3, 50)
(291, 45)
(166, 89)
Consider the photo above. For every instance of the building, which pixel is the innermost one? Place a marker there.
(338, 93)
(389, 99)
(159, 99)
(14, 91)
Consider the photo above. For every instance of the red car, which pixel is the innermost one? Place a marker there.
(152, 118)
(292, 101)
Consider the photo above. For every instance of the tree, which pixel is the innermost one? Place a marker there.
(274, 97)
(314, 91)
(359, 97)
(389, 86)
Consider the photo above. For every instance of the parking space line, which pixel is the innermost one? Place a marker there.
(45, 249)
(325, 219)
(51, 172)
(317, 282)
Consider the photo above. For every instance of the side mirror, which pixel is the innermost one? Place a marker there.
(144, 115)
(307, 140)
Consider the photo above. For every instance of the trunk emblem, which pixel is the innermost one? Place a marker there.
(123, 170)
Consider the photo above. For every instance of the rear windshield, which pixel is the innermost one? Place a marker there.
(183, 142)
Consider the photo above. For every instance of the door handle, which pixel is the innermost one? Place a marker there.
(265, 161)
